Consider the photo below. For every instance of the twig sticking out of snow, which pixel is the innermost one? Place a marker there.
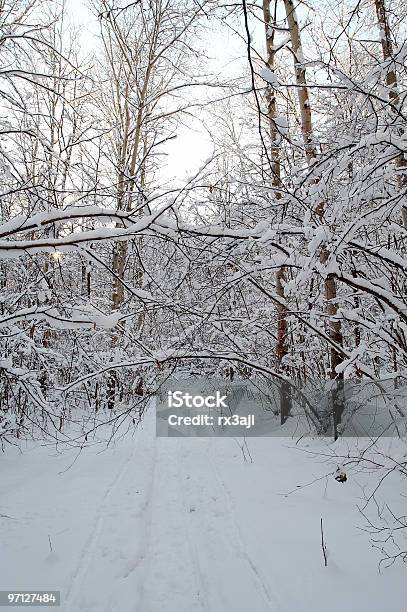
(323, 545)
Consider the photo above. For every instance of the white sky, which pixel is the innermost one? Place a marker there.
(187, 153)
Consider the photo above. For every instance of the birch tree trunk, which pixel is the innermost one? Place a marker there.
(330, 288)
(282, 326)
(301, 81)
(391, 82)
(269, 21)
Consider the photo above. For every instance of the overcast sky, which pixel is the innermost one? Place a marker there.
(192, 146)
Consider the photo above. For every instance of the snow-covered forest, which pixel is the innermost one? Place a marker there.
(214, 190)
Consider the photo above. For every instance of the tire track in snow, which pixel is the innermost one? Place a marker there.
(219, 541)
(168, 526)
(146, 515)
(243, 548)
(139, 463)
(89, 547)
(202, 587)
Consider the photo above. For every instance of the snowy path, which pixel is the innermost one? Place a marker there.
(185, 525)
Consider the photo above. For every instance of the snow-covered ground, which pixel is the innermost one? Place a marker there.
(183, 525)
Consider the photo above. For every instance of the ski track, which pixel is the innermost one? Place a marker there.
(135, 476)
(170, 578)
(88, 550)
(215, 535)
(229, 502)
(193, 550)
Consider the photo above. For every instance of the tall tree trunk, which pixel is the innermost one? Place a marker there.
(334, 325)
(282, 326)
(301, 81)
(269, 21)
(129, 146)
(391, 82)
